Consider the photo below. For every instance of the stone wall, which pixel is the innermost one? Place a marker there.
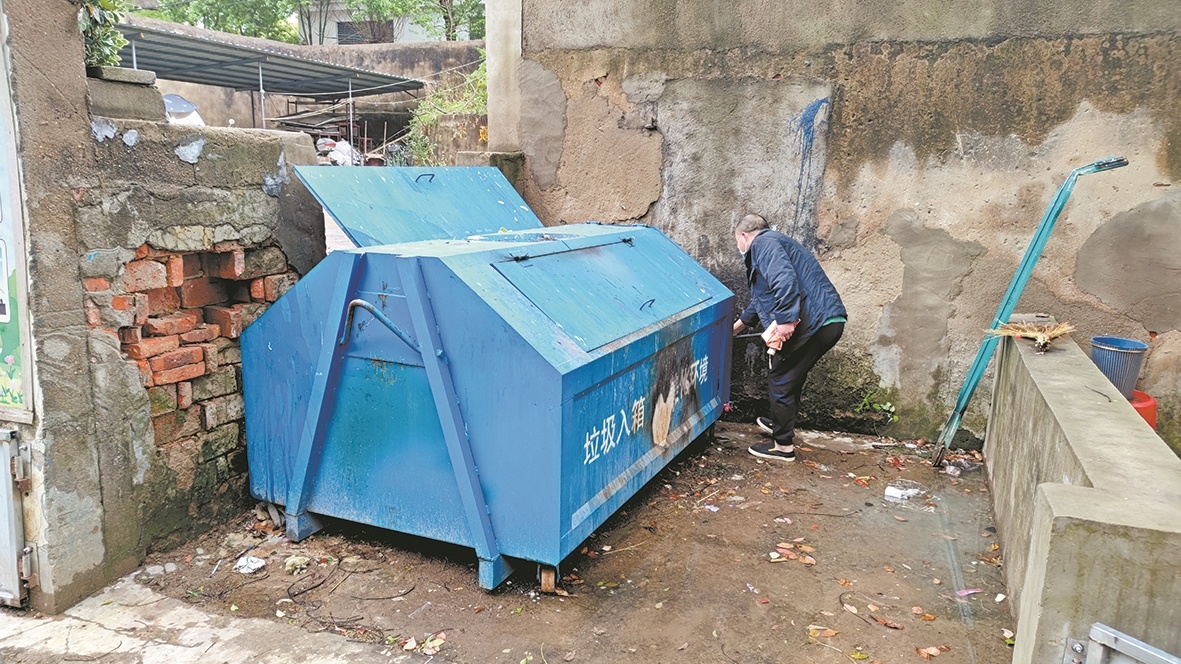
(150, 246)
(913, 146)
(1086, 500)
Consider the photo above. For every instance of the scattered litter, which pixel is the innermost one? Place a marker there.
(818, 631)
(736, 499)
(932, 651)
(783, 519)
(249, 564)
(885, 622)
(296, 564)
(737, 478)
(1000, 598)
(155, 570)
(751, 588)
(952, 471)
(712, 508)
(968, 591)
(901, 518)
(900, 490)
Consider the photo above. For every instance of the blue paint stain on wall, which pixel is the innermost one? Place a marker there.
(808, 129)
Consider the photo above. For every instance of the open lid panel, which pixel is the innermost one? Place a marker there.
(377, 205)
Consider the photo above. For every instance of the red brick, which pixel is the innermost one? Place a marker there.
(142, 251)
(200, 333)
(277, 284)
(228, 320)
(123, 302)
(152, 346)
(162, 301)
(177, 424)
(192, 265)
(258, 290)
(184, 394)
(131, 335)
(144, 275)
(145, 371)
(142, 311)
(177, 323)
(212, 356)
(96, 284)
(175, 270)
(202, 292)
(177, 358)
(228, 265)
(188, 372)
(228, 245)
(93, 315)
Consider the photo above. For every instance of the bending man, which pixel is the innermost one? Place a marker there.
(801, 315)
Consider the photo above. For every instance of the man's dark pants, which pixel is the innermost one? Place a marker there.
(785, 380)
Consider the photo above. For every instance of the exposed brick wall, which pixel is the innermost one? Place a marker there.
(178, 316)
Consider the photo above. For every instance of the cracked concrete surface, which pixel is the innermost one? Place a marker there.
(128, 622)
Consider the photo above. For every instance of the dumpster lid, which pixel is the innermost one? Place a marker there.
(376, 205)
(602, 293)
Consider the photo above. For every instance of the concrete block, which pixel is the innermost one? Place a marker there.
(125, 101)
(122, 75)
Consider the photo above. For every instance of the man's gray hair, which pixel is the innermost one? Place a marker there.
(750, 223)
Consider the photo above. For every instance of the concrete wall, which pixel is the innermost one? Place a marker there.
(1086, 500)
(133, 446)
(914, 145)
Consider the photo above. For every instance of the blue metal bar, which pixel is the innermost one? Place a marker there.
(381, 318)
(300, 524)
(493, 567)
(1012, 295)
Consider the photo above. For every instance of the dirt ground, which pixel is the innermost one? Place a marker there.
(721, 558)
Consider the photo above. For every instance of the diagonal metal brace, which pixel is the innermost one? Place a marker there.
(493, 566)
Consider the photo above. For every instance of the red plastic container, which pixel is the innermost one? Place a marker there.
(1146, 406)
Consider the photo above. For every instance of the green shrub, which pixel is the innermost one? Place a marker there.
(96, 21)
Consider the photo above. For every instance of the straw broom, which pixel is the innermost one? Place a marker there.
(1042, 334)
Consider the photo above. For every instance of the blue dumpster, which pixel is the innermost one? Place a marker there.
(468, 375)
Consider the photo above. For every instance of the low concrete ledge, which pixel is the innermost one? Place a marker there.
(1087, 500)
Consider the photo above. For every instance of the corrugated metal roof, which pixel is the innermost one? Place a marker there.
(194, 55)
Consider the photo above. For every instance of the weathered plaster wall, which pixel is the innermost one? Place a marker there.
(124, 219)
(914, 145)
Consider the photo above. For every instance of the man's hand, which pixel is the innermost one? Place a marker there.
(781, 333)
(739, 326)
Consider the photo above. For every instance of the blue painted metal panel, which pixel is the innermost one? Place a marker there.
(560, 370)
(375, 205)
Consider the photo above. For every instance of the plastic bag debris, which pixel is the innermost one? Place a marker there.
(249, 564)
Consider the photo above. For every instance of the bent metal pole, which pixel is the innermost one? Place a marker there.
(1012, 295)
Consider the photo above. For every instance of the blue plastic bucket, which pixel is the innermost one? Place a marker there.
(1119, 359)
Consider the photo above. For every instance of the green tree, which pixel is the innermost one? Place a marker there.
(269, 19)
(442, 18)
(313, 17)
(97, 20)
(381, 21)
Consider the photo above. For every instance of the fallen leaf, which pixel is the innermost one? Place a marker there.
(928, 653)
(410, 644)
(936, 581)
(995, 547)
(968, 591)
(844, 582)
(900, 518)
(888, 568)
(986, 534)
(946, 536)
(660, 605)
(928, 617)
(886, 622)
(917, 610)
(806, 549)
(816, 631)
(785, 545)
(680, 647)
(808, 560)
(798, 540)
(857, 655)
(764, 600)
(850, 608)
(570, 656)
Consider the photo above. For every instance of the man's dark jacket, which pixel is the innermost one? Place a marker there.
(787, 284)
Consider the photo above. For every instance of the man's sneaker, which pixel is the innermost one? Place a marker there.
(765, 424)
(768, 451)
